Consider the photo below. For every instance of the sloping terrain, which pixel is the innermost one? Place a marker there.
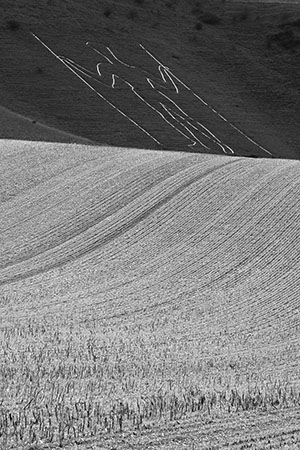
(229, 54)
(15, 126)
(148, 298)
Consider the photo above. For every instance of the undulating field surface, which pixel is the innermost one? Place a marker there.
(147, 299)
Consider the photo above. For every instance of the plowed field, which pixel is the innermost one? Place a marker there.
(147, 299)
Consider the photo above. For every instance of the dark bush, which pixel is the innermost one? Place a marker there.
(244, 14)
(132, 14)
(193, 38)
(286, 39)
(197, 9)
(107, 12)
(296, 23)
(170, 4)
(210, 18)
(139, 2)
(13, 24)
(241, 15)
(199, 26)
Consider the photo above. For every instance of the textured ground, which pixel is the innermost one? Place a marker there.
(182, 269)
(149, 298)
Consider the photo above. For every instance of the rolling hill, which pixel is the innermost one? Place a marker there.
(149, 269)
(156, 287)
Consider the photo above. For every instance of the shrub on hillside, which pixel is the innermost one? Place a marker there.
(139, 2)
(13, 24)
(285, 39)
(197, 9)
(193, 38)
(244, 14)
(107, 12)
(294, 23)
(199, 26)
(132, 14)
(210, 18)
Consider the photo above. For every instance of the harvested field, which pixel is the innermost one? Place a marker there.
(147, 299)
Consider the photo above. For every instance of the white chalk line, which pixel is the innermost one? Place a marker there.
(212, 137)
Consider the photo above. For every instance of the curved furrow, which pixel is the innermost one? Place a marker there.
(218, 246)
(238, 256)
(183, 246)
(265, 219)
(169, 217)
(176, 274)
(68, 217)
(210, 236)
(96, 178)
(116, 224)
(138, 253)
(26, 165)
(144, 233)
(107, 163)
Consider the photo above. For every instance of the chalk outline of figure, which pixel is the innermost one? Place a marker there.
(78, 71)
(182, 116)
(165, 74)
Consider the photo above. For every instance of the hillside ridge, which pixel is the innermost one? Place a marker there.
(227, 63)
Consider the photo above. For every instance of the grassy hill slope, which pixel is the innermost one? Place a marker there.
(16, 126)
(148, 297)
(227, 52)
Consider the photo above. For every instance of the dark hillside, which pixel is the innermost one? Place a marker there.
(230, 53)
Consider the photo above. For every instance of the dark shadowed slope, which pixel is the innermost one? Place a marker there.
(225, 53)
(182, 272)
(17, 127)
